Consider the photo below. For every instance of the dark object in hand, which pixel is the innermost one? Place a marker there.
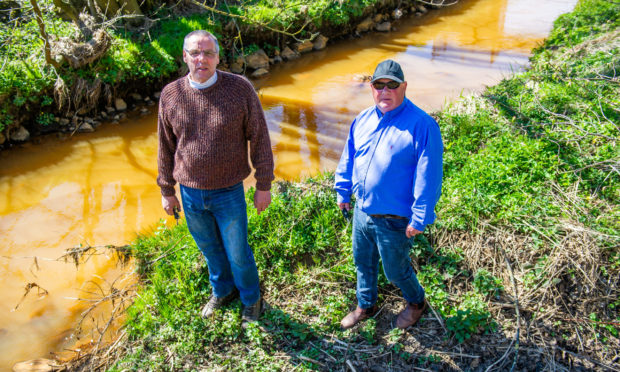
(346, 214)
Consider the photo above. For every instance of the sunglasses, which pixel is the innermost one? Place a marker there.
(391, 85)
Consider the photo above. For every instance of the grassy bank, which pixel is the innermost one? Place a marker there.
(34, 93)
(521, 269)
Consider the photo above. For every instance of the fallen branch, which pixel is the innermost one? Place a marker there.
(29, 286)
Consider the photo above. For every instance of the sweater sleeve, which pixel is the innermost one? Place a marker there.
(166, 150)
(260, 145)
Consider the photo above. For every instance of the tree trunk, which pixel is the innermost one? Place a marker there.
(46, 41)
(131, 8)
(71, 11)
(109, 8)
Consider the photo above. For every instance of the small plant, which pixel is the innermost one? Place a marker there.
(470, 318)
(369, 331)
(395, 334)
(254, 334)
(486, 284)
(45, 118)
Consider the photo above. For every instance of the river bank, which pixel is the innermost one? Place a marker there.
(126, 69)
(521, 268)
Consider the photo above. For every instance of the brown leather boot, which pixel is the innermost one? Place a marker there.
(410, 315)
(357, 316)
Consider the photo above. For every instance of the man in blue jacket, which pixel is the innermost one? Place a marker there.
(392, 162)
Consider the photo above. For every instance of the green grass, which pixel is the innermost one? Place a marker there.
(301, 239)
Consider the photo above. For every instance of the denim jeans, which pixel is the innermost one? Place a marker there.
(385, 238)
(218, 222)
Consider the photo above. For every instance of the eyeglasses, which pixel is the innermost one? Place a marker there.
(390, 84)
(196, 53)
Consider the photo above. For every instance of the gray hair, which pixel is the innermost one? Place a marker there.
(202, 33)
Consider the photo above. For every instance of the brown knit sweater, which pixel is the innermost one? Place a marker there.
(203, 135)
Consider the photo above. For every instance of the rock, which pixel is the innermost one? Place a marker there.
(136, 97)
(421, 8)
(64, 121)
(144, 111)
(240, 60)
(288, 54)
(320, 43)
(258, 60)
(383, 27)
(20, 135)
(120, 104)
(35, 365)
(86, 128)
(156, 95)
(397, 14)
(474, 363)
(364, 26)
(277, 59)
(103, 114)
(304, 47)
(2, 138)
(236, 68)
(377, 18)
(109, 109)
(260, 73)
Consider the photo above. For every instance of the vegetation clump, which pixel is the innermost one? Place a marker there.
(521, 270)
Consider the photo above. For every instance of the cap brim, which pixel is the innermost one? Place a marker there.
(386, 77)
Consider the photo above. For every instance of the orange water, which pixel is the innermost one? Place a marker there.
(99, 188)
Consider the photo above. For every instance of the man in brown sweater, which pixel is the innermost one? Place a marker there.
(205, 122)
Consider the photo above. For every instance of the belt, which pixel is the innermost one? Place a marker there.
(388, 216)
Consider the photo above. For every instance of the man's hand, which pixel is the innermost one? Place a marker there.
(262, 199)
(343, 206)
(411, 232)
(169, 203)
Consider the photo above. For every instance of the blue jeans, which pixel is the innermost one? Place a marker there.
(218, 222)
(385, 238)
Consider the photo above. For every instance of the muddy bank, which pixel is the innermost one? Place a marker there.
(82, 106)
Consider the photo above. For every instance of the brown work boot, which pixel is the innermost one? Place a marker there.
(217, 302)
(251, 313)
(410, 315)
(357, 316)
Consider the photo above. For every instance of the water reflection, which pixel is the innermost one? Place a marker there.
(100, 188)
(305, 138)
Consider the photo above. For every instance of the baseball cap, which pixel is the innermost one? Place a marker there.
(388, 69)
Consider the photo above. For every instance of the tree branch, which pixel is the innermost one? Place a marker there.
(46, 42)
